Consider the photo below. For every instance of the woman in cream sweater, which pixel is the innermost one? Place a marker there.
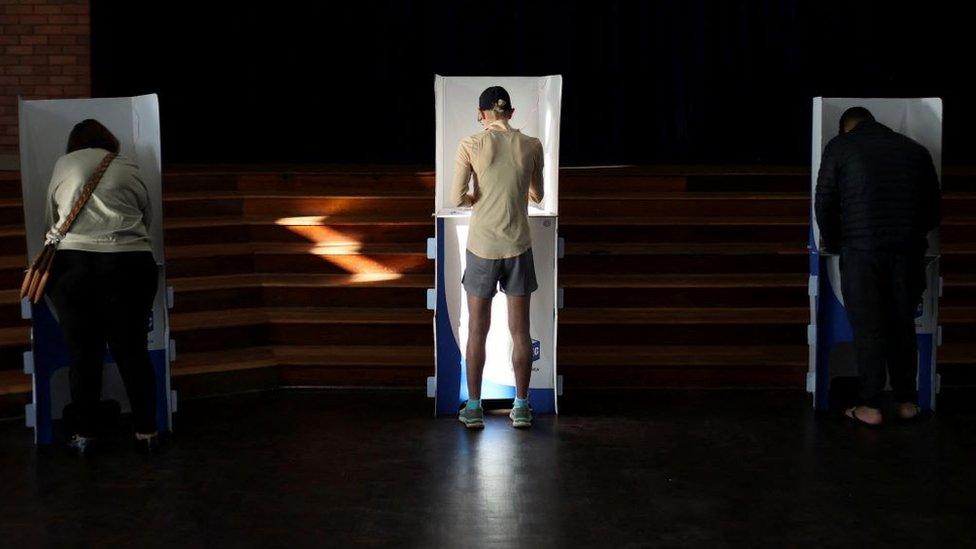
(104, 280)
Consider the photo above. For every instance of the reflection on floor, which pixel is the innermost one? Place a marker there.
(671, 468)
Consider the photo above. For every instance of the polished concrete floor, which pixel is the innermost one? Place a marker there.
(642, 469)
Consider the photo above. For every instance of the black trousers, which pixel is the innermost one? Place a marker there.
(106, 298)
(882, 291)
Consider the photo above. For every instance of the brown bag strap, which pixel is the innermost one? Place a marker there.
(86, 193)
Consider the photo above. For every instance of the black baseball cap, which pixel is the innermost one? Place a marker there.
(495, 96)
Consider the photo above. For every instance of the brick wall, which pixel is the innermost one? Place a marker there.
(44, 54)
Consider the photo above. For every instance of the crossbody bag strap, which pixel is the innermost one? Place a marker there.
(86, 193)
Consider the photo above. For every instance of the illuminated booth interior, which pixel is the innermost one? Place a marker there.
(537, 106)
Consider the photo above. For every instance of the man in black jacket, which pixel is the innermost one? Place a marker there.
(877, 198)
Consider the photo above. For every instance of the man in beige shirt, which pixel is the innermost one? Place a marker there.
(498, 171)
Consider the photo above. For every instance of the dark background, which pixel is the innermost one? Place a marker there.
(644, 82)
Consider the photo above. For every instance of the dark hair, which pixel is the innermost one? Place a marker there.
(854, 116)
(496, 99)
(91, 134)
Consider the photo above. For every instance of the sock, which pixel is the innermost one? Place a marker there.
(519, 402)
(473, 404)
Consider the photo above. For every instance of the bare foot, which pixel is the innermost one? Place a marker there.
(908, 410)
(865, 414)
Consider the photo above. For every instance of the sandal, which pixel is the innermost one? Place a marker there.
(851, 413)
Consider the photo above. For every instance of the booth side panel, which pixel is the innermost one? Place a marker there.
(926, 371)
(542, 390)
(448, 364)
(160, 364)
(833, 327)
(50, 355)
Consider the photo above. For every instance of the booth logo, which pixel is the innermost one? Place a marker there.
(150, 324)
(920, 310)
(536, 350)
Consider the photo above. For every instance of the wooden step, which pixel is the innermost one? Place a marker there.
(956, 363)
(683, 365)
(956, 179)
(958, 323)
(342, 258)
(299, 229)
(349, 316)
(611, 258)
(959, 290)
(339, 365)
(10, 308)
(11, 211)
(654, 316)
(238, 328)
(342, 365)
(354, 182)
(223, 360)
(14, 340)
(15, 382)
(294, 290)
(685, 178)
(10, 184)
(654, 248)
(684, 290)
(958, 258)
(679, 355)
(201, 205)
(685, 204)
(677, 326)
(685, 229)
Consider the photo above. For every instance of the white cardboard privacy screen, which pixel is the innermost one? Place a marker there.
(44, 129)
(537, 104)
(918, 118)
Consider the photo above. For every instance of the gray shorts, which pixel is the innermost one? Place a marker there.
(515, 275)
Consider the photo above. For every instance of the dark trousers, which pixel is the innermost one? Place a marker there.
(882, 291)
(106, 298)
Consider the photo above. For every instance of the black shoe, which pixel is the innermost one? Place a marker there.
(80, 445)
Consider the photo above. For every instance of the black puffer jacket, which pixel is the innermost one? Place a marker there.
(877, 190)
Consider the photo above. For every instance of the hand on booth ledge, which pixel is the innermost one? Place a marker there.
(469, 199)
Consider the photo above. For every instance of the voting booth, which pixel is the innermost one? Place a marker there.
(830, 334)
(44, 129)
(537, 104)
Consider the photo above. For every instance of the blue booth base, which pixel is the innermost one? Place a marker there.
(833, 327)
(50, 355)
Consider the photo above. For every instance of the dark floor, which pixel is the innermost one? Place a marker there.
(670, 469)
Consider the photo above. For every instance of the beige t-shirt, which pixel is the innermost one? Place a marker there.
(116, 217)
(507, 169)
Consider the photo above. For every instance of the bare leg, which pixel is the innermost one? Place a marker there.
(479, 320)
(518, 325)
